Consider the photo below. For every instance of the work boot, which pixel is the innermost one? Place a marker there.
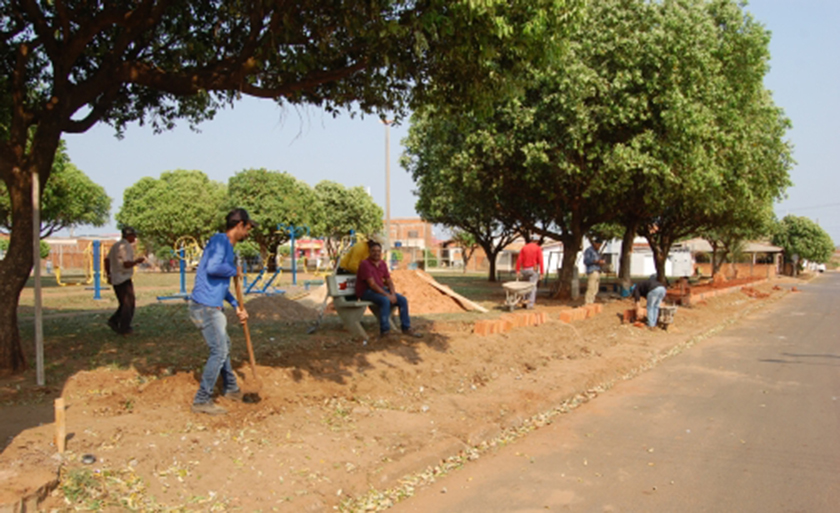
(410, 332)
(210, 408)
(234, 396)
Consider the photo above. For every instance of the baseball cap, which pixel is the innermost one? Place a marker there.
(128, 231)
(238, 215)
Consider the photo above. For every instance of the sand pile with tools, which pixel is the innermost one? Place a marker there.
(423, 298)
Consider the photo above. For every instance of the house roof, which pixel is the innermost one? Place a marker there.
(702, 245)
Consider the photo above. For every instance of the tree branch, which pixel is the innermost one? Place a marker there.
(43, 30)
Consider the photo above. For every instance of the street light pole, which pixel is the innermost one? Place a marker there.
(387, 185)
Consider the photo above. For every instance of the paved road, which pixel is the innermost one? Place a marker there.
(747, 421)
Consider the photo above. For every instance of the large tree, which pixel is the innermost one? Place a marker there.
(340, 210)
(70, 199)
(445, 161)
(179, 203)
(272, 198)
(68, 65)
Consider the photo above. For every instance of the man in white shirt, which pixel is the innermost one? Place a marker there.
(119, 268)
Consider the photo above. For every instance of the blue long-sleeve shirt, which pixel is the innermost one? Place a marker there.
(217, 267)
(590, 260)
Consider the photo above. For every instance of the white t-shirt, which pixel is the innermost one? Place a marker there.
(120, 253)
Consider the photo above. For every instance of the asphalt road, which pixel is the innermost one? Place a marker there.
(745, 421)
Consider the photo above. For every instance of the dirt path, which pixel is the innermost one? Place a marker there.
(338, 418)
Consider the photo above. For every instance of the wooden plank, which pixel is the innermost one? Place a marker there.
(60, 425)
(466, 303)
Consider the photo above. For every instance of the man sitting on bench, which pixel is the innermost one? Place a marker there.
(374, 284)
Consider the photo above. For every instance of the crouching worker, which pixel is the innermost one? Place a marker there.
(212, 288)
(374, 284)
(655, 293)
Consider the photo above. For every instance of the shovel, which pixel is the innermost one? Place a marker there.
(248, 397)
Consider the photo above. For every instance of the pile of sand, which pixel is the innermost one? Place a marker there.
(279, 308)
(422, 297)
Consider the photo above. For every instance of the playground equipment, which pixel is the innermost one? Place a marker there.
(293, 232)
(188, 252)
(89, 266)
(267, 287)
(94, 262)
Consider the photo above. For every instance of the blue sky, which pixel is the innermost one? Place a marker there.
(311, 145)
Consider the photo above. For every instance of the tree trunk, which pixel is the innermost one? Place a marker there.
(626, 255)
(571, 247)
(14, 271)
(492, 252)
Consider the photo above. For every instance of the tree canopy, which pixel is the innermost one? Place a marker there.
(69, 65)
(178, 203)
(802, 236)
(340, 209)
(70, 199)
(272, 198)
(653, 116)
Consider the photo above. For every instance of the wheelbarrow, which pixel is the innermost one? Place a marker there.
(666, 315)
(516, 292)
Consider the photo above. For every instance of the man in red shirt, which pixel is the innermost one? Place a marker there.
(374, 284)
(529, 265)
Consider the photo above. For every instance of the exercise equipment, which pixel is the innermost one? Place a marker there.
(188, 252)
(267, 288)
(293, 232)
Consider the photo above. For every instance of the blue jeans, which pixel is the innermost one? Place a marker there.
(213, 325)
(384, 305)
(654, 298)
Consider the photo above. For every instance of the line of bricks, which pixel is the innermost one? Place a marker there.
(507, 322)
(581, 313)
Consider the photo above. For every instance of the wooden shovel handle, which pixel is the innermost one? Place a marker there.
(240, 298)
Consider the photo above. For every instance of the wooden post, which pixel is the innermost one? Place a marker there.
(60, 425)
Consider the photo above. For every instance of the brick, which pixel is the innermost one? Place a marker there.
(480, 328)
(566, 316)
(505, 326)
(628, 317)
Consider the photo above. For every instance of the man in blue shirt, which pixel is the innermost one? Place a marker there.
(593, 262)
(211, 289)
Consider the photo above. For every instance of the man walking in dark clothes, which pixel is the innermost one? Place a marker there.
(119, 269)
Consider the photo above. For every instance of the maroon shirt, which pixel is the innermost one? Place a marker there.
(367, 269)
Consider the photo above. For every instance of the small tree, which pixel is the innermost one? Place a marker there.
(802, 236)
(177, 204)
(272, 198)
(466, 241)
(340, 210)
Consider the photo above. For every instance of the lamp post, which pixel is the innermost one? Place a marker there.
(387, 124)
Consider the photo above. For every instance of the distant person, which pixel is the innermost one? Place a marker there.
(119, 269)
(654, 292)
(374, 284)
(212, 288)
(349, 263)
(593, 261)
(529, 265)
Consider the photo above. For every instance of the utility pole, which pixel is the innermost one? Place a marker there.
(387, 124)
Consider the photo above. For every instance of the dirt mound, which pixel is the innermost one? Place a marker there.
(279, 308)
(422, 297)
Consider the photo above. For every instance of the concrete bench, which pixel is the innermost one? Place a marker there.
(342, 289)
